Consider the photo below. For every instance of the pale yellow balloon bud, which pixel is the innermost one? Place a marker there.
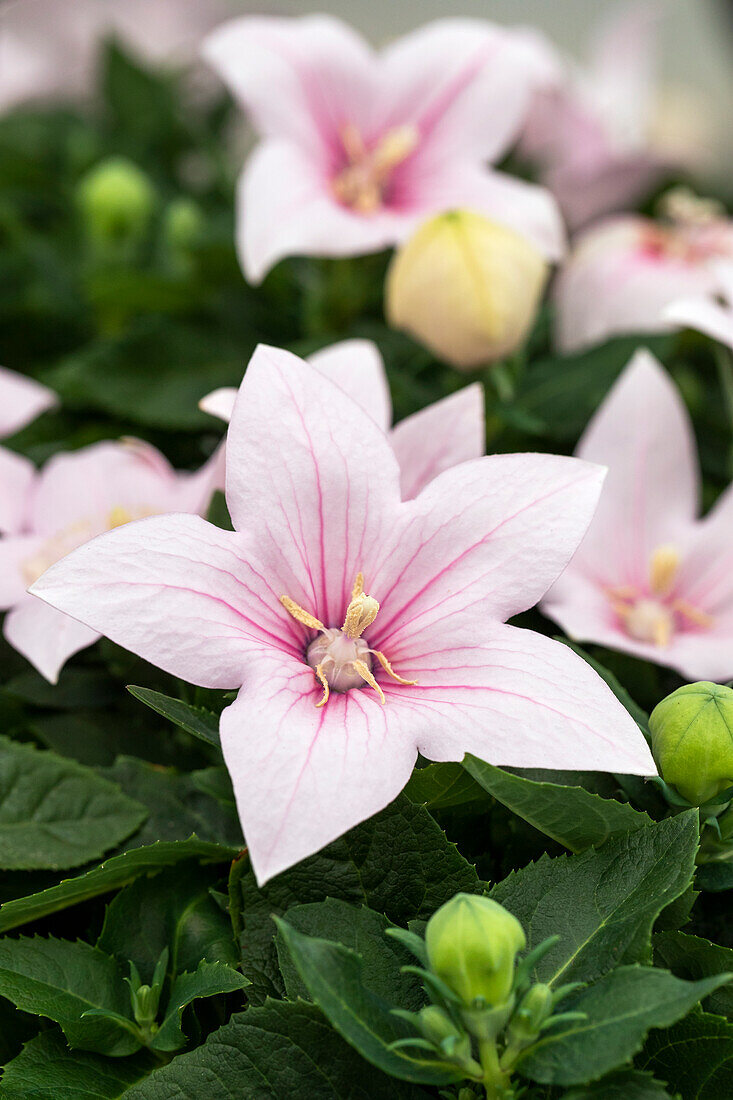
(466, 287)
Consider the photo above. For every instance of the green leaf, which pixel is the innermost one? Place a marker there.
(692, 957)
(443, 786)
(55, 813)
(694, 1057)
(619, 1010)
(602, 903)
(625, 1084)
(336, 979)
(177, 805)
(570, 815)
(398, 863)
(115, 872)
(202, 723)
(47, 1070)
(281, 1051)
(16, 1028)
(207, 980)
(63, 980)
(715, 877)
(175, 910)
(363, 931)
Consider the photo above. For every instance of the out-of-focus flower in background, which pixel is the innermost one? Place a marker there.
(22, 399)
(650, 577)
(48, 48)
(73, 498)
(445, 433)
(466, 287)
(624, 272)
(714, 318)
(605, 135)
(360, 147)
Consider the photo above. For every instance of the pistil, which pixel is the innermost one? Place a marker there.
(362, 182)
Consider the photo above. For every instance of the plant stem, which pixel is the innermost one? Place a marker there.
(495, 1080)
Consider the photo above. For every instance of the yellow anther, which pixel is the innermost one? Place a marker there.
(390, 671)
(326, 689)
(300, 615)
(360, 184)
(366, 674)
(663, 569)
(358, 586)
(395, 146)
(362, 610)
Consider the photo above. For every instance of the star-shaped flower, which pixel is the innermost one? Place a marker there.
(650, 577)
(445, 433)
(359, 628)
(359, 147)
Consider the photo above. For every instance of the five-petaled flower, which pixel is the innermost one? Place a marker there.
(445, 433)
(332, 590)
(650, 577)
(625, 272)
(72, 499)
(358, 148)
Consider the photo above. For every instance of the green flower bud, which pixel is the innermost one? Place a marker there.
(691, 740)
(472, 944)
(438, 1027)
(117, 199)
(182, 224)
(534, 1009)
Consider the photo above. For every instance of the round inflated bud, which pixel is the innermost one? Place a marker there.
(692, 742)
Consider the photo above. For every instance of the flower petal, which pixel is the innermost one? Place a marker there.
(483, 541)
(22, 399)
(17, 480)
(285, 208)
(464, 83)
(44, 636)
(303, 775)
(706, 316)
(357, 368)
(642, 432)
(442, 435)
(517, 699)
(300, 79)
(312, 477)
(178, 592)
(15, 551)
(220, 403)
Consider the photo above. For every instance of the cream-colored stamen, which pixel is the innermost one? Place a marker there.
(361, 183)
(326, 688)
(300, 615)
(699, 618)
(663, 570)
(682, 206)
(366, 674)
(390, 671)
(361, 612)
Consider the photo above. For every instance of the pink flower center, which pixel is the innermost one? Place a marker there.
(656, 616)
(340, 657)
(362, 182)
(693, 230)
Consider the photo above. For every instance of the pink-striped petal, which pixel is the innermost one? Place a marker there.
(444, 434)
(357, 368)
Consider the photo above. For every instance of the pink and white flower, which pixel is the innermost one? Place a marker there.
(623, 273)
(72, 499)
(447, 432)
(359, 147)
(650, 577)
(606, 134)
(359, 628)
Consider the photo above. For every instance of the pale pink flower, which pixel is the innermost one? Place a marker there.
(623, 273)
(447, 432)
(73, 498)
(606, 134)
(650, 577)
(714, 318)
(359, 147)
(21, 400)
(340, 689)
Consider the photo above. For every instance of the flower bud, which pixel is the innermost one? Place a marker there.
(534, 1009)
(466, 287)
(472, 944)
(436, 1024)
(691, 740)
(182, 224)
(116, 198)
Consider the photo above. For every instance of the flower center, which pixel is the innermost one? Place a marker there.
(362, 182)
(340, 658)
(693, 229)
(655, 616)
(69, 538)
